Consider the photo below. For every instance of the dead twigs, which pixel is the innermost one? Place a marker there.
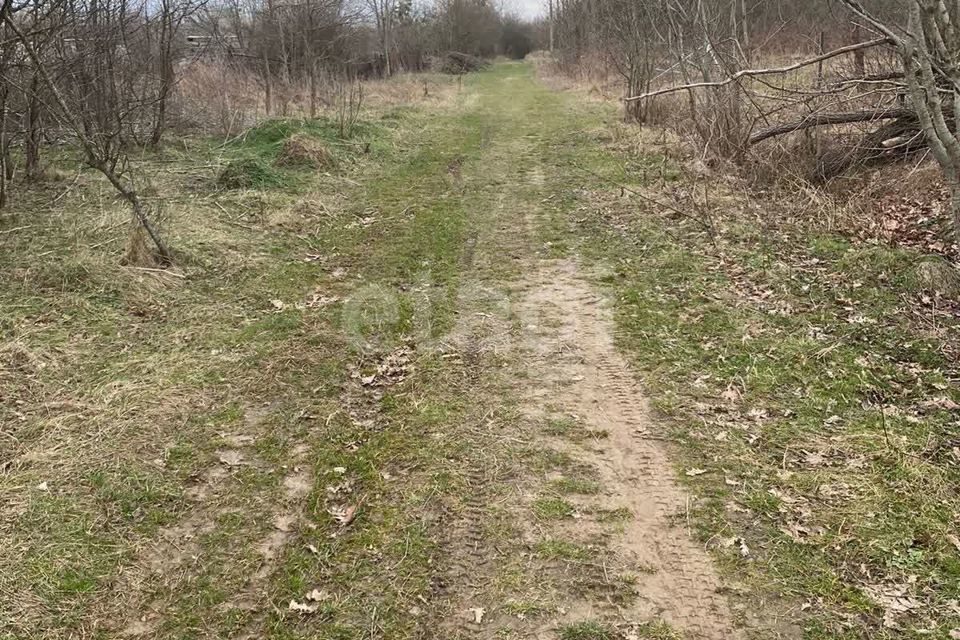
(703, 224)
(745, 73)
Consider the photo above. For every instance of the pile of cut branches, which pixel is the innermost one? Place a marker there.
(457, 63)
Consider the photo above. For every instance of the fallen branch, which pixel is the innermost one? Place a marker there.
(764, 72)
(896, 140)
(823, 119)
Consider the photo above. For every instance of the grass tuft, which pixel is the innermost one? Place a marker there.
(551, 508)
(249, 173)
(586, 630)
(573, 485)
(554, 549)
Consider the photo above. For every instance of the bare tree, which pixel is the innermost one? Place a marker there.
(469, 26)
(170, 17)
(108, 75)
(7, 53)
(384, 13)
(928, 43)
(90, 96)
(33, 109)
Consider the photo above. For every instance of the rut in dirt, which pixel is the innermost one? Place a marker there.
(573, 357)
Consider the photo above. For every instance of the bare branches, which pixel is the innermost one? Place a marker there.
(857, 8)
(764, 72)
(902, 80)
(930, 57)
(102, 156)
(823, 119)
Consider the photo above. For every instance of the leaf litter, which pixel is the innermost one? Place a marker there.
(311, 602)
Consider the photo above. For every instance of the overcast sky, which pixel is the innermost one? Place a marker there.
(526, 8)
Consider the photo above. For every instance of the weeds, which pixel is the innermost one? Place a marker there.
(658, 630)
(799, 374)
(562, 550)
(576, 486)
(586, 630)
(249, 173)
(553, 509)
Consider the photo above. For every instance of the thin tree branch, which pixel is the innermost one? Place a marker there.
(763, 72)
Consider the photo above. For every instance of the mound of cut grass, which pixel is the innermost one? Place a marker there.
(302, 151)
(248, 173)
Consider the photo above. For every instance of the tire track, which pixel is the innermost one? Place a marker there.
(570, 343)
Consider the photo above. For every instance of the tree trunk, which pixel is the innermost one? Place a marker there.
(159, 122)
(745, 24)
(140, 214)
(267, 84)
(551, 26)
(34, 131)
(166, 79)
(955, 206)
(313, 89)
(388, 71)
(4, 157)
(859, 57)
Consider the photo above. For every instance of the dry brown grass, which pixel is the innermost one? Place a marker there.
(123, 387)
(410, 89)
(218, 98)
(117, 381)
(590, 79)
(301, 150)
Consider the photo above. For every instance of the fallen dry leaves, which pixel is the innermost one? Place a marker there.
(311, 602)
(478, 613)
(895, 600)
(391, 370)
(344, 515)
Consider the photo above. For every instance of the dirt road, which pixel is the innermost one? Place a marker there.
(599, 541)
(404, 418)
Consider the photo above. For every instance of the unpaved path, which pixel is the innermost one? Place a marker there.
(487, 470)
(624, 559)
(575, 367)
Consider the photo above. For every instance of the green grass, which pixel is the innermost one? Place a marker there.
(827, 438)
(620, 514)
(148, 500)
(570, 428)
(581, 486)
(143, 379)
(586, 630)
(554, 549)
(561, 426)
(551, 508)
(658, 630)
(792, 370)
(250, 173)
(252, 158)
